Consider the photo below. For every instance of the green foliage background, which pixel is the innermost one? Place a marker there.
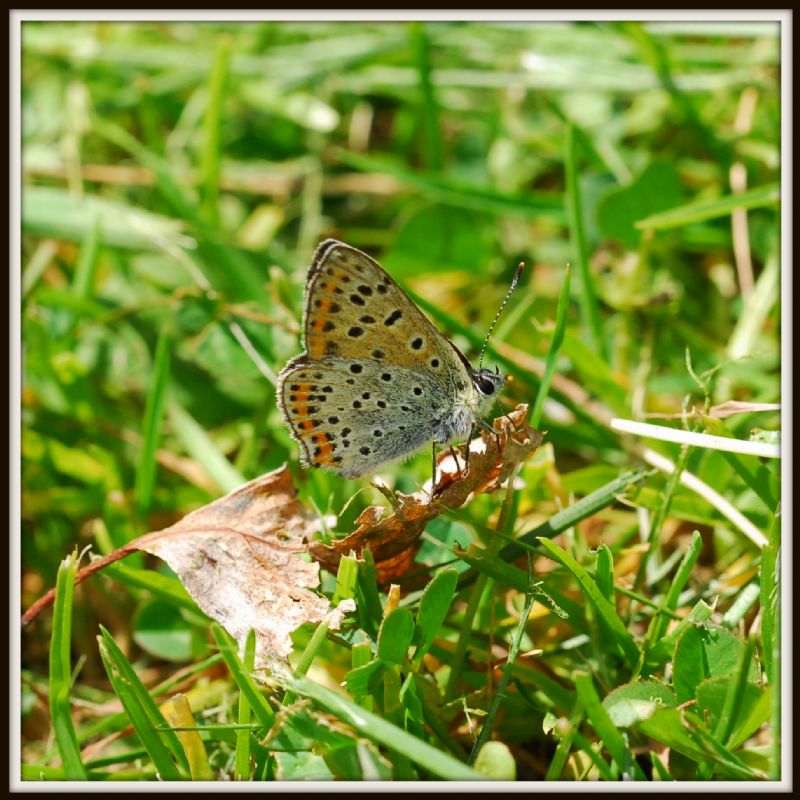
(177, 178)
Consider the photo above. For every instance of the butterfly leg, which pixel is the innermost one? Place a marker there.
(454, 456)
(469, 441)
(487, 427)
(433, 467)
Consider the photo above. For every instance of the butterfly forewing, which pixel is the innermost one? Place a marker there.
(355, 309)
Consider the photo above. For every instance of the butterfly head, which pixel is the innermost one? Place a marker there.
(487, 383)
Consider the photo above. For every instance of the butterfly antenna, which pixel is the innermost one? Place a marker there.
(511, 288)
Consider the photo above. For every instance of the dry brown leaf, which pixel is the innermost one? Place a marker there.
(731, 407)
(239, 559)
(393, 540)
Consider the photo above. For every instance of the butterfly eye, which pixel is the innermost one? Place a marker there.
(485, 385)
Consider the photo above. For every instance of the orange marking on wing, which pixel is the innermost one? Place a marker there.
(315, 344)
(317, 324)
(324, 455)
(305, 425)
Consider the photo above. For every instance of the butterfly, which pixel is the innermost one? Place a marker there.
(377, 379)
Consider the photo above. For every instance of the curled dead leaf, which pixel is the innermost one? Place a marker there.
(239, 558)
(394, 539)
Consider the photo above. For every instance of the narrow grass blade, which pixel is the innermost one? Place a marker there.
(552, 353)
(590, 311)
(203, 449)
(57, 214)
(741, 604)
(86, 268)
(308, 655)
(165, 587)
(604, 573)
(227, 648)
(556, 767)
(660, 620)
(242, 763)
(516, 643)
(61, 672)
(735, 694)
(711, 209)
(606, 773)
(456, 665)
(707, 440)
(429, 109)
(210, 155)
(612, 739)
(757, 480)
(658, 518)
(383, 732)
(449, 191)
(583, 508)
(158, 739)
(770, 600)
(608, 613)
(151, 425)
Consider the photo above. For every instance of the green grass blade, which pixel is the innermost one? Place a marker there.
(583, 508)
(513, 652)
(770, 600)
(604, 573)
(86, 268)
(147, 465)
(432, 149)
(242, 763)
(701, 210)
(456, 665)
(742, 603)
(55, 213)
(258, 703)
(673, 479)
(612, 739)
(165, 587)
(735, 694)
(552, 353)
(453, 192)
(202, 448)
(211, 156)
(61, 672)
(608, 613)
(660, 620)
(383, 732)
(590, 310)
(152, 729)
(556, 767)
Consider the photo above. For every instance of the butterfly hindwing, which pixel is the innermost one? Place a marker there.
(348, 416)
